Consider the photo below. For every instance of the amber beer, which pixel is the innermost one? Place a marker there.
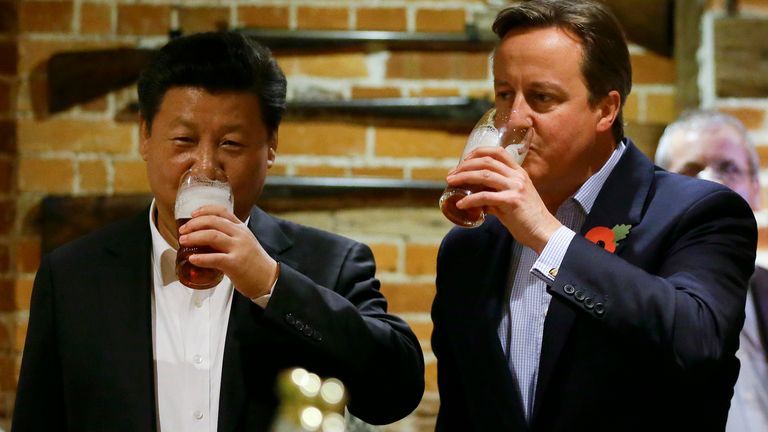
(194, 192)
(491, 131)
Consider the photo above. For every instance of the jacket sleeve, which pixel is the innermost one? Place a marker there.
(39, 398)
(691, 304)
(374, 353)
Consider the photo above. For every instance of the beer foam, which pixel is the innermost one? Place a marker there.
(193, 197)
(484, 136)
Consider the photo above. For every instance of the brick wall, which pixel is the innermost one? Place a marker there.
(84, 151)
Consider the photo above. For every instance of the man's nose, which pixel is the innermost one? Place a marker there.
(206, 160)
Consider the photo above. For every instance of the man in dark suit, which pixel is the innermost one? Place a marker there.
(116, 343)
(716, 146)
(603, 293)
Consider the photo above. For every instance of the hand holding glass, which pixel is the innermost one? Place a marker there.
(196, 190)
(493, 130)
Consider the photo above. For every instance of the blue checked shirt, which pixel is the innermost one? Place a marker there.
(522, 324)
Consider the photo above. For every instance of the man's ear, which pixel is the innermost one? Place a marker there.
(608, 109)
(272, 149)
(144, 133)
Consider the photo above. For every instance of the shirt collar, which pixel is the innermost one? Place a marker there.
(587, 193)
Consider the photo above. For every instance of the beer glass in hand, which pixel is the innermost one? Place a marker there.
(197, 190)
(492, 130)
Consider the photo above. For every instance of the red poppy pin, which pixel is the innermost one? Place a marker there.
(608, 238)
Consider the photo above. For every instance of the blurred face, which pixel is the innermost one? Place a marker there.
(538, 80)
(195, 128)
(716, 154)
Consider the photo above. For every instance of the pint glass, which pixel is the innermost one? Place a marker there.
(196, 190)
(492, 130)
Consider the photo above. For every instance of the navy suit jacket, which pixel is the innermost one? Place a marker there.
(652, 349)
(88, 360)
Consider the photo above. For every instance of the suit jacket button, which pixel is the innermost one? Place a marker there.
(317, 336)
(299, 325)
(589, 303)
(579, 296)
(599, 309)
(290, 319)
(308, 331)
(569, 289)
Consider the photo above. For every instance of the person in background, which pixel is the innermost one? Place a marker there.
(716, 146)
(116, 343)
(603, 293)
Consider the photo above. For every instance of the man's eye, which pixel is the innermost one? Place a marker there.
(230, 143)
(503, 95)
(182, 139)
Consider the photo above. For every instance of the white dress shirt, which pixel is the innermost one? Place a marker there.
(189, 328)
(521, 328)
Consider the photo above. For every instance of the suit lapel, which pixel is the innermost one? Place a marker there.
(233, 391)
(620, 201)
(125, 303)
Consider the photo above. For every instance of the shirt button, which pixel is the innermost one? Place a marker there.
(198, 303)
(198, 415)
(197, 359)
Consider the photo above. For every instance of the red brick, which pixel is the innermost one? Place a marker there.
(9, 17)
(321, 139)
(263, 17)
(375, 92)
(143, 19)
(5, 97)
(662, 108)
(650, 68)
(9, 58)
(420, 259)
(387, 19)
(762, 238)
(7, 302)
(93, 176)
(96, 105)
(332, 65)
(46, 16)
(751, 117)
(27, 255)
(62, 134)
(386, 255)
(378, 172)
(7, 137)
(201, 19)
(130, 177)
(430, 376)
(762, 153)
(440, 20)
(5, 258)
(95, 18)
(399, 142)
(320, 171)
(323, 18)
(22, 292)
(430, 173)
(46, 175)
(7, 174)
(438, 65)
(7, 215)
(9, 365)
(408, 297)
(5, 338)
(435, 92)
(422, 329)
(20, 335)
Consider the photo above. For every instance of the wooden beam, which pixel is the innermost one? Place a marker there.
(688, 14)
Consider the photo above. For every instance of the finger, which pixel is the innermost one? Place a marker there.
(211, 238)
(215, 210)
(210, 260)
(498, 153)
(485, 163)
(210, 221)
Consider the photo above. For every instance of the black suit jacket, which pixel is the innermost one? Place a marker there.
(652, 349)
(88, 361)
